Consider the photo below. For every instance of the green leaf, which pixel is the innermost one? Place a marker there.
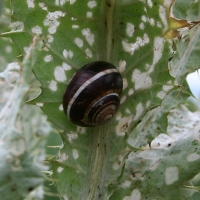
(184, 9)
(93, 162)
(20, 128)
(163, 170)
(8, 51)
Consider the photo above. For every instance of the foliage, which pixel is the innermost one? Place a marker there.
(150, 150)
(23, 128)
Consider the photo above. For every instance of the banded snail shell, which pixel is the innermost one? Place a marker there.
(92, 96)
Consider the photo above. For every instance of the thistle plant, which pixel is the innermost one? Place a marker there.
(150, 149)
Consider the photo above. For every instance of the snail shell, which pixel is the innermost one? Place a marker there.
(92, 96)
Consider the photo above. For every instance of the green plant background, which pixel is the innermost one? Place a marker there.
(152, 136)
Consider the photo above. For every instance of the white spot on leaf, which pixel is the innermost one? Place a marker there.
(130, 92)
(65, 197)
(78, 42)
(148, 103)
(126, 198)
(71, 136)
(73, 18)
(163, 17)
(88, 52)
(158, 49)
(81, 130)
(144, 18)
(30, 3)
(92, 4)
(75, 154)
(166, 88)
(50, 38)
(146, 39)
(139, 111)
(122, 66)
(17, 26)
(53, 85)
(152, 21)
(159, 25)
(75, 26)
(161, 94)
(126, 184)
(123, 99)
(171, 175)
(130, 29)
(63, 157)
(52, 29)
(89, 14)
(150, 3)
(68, 53)
(193, 157)
(8, 49)
(66, 66)
(128, 111)
(60, 169)
(141, 80)
(89, 36)
(48, 58)
(52, 22)
(136, 195)
(129, 47)
(59, 74)
(125, 83)
(60, 2)
(167, 3)
(123, 125)
(45, 49)
(43, 6)
(132, 47)
(60, 107)
(118, 116)
(37, 30)
(72, 1)
(141, 25)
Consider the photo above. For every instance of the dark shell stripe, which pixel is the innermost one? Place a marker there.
(101, 106)
(85, 84)
(106, 111)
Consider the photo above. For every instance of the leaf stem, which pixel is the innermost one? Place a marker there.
(101, 136)
(108, 31)
(96, 174)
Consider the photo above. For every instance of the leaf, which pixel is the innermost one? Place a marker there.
(184, 61)
(8, 50)
(92, 162)
(20, 129)
(184, 9)
(114, 27)
(164, 170)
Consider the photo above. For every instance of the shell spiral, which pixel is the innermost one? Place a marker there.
(92, 96)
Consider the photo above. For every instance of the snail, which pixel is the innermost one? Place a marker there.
(92, 96)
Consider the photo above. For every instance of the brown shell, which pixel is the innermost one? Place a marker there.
(92, 96)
